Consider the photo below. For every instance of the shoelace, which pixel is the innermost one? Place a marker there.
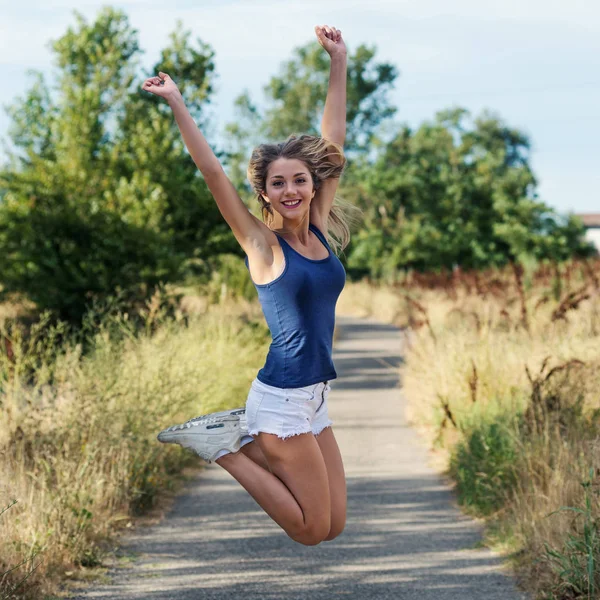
(197, 421)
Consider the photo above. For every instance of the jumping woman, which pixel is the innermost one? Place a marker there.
(281, 448)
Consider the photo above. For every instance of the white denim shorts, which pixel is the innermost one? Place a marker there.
(287, 411)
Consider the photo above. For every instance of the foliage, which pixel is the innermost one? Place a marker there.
(454, 192)
(501, 372)
(64, 260)
(483, 465)
(576, 564)
(99, 198)
(80, 455)
(297, 95)
(295, 98)
(99, 193)
(228, 278)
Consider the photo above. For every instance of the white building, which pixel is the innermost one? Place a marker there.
(592, 227)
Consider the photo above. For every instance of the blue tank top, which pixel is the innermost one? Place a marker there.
(299, 307)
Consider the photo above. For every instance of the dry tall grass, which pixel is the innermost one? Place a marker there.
(502, 374)
(78, 445)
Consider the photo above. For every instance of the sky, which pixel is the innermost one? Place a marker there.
(536, 63)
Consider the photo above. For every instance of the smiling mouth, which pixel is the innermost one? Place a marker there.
(291, 203)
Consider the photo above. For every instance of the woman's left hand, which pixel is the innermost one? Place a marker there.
(331, 39)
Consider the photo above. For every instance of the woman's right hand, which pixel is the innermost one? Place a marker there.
(161, 85)
(331, 39)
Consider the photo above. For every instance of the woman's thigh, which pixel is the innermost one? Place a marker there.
(299, 463)
(337, 480)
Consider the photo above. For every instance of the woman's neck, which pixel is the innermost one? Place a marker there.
(285, 226)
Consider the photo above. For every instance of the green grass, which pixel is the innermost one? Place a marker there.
(484, 465)
(78, 428)
(502, 375)
(577, 564)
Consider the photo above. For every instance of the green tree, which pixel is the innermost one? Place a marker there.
(295, 98)
(99, 193)
(456, 191)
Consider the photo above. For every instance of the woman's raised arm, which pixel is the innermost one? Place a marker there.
(245, 226)
(333, 124)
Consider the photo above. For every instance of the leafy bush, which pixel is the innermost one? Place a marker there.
(484, 465)
(457, 190)
(99, 196)
(63, 261)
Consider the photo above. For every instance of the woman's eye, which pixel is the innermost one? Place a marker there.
(280, 183)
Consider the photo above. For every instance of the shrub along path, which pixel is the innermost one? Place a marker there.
(405, 538)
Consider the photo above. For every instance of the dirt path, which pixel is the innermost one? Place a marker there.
(405, 539)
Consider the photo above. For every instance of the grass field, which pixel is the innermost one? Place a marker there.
(502, 375)
(78, 425)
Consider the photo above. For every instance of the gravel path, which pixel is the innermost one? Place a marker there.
(405, 538)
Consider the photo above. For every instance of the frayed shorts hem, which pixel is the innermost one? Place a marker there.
(316, 431)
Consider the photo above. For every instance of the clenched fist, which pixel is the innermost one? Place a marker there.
(331, 39)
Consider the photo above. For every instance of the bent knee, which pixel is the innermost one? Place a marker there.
(334, 531)
(311, 534)
(309, 541)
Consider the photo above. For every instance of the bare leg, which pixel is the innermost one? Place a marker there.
(337, 481)
(255, 454)
(296, 493)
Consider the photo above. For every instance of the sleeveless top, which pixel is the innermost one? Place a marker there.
(299, 307)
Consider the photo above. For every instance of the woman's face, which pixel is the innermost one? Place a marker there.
(289, 187)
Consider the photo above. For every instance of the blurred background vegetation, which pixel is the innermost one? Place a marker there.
(98, 196)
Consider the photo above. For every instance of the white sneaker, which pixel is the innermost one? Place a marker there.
(206, 438)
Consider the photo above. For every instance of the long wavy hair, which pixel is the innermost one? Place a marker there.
(325, 160)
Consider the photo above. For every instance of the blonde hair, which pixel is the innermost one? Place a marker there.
(325, 160)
